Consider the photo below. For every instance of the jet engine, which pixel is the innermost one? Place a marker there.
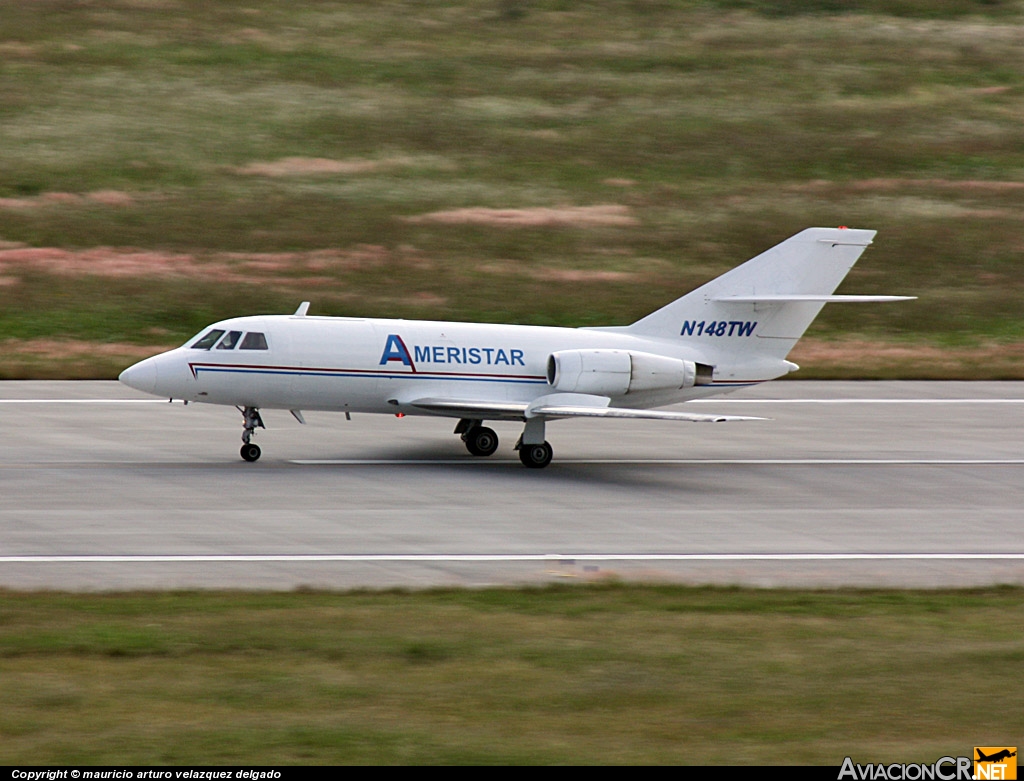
(619, 372)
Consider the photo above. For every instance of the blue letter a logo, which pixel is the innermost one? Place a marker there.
(394, 350)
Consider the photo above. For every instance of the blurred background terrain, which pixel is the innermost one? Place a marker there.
(168, 163)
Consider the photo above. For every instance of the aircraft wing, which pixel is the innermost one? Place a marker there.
(566, 411)
(559, 405)
(582, 405)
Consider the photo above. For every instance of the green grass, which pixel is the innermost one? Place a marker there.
(605, 674)
(723, 126)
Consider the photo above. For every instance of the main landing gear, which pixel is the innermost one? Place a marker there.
(534, 451)
(535, 456)
(250, 421)
(480, 440)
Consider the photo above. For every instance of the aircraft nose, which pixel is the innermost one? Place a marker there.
(142, 376)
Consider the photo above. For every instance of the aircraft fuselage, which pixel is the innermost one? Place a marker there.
(342, 364)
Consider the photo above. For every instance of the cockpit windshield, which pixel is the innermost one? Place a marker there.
(229, 341)
(207, 340)
(253, 340)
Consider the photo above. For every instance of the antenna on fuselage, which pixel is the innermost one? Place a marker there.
(301, 311)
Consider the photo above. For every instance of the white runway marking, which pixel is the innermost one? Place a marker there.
(854, 401)
(84, 401)
(669, 461)
(501, 557)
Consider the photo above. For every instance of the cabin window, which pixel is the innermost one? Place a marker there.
(254, 340)
(208, 340)
(229, 341)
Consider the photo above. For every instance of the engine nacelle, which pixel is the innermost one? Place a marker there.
(617, 372)
(657, 372)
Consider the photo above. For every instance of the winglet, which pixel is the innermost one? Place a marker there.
(301, 311)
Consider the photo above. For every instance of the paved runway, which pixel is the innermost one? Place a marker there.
(851, 484)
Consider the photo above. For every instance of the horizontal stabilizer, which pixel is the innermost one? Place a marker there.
(823, 299)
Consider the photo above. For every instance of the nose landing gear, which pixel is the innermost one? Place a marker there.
(250, 421)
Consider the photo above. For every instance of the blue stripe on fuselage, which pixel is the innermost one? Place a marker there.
(358, 374)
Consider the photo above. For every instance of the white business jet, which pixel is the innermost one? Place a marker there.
(733, 332)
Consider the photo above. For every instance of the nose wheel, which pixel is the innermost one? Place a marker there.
(251, 420)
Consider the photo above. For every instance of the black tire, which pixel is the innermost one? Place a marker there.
(481, 441)
(535, 456)
(251, 452)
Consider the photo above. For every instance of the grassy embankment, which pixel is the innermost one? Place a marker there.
(566, 675)
(163, 165)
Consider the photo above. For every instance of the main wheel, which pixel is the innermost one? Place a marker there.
(535, 456)
(250, 452)
(481, 441)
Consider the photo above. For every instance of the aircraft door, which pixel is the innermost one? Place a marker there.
(262, 356)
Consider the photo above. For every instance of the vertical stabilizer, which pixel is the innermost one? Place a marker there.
(764, 306)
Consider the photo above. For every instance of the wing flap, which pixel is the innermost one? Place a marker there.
(473, 409)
